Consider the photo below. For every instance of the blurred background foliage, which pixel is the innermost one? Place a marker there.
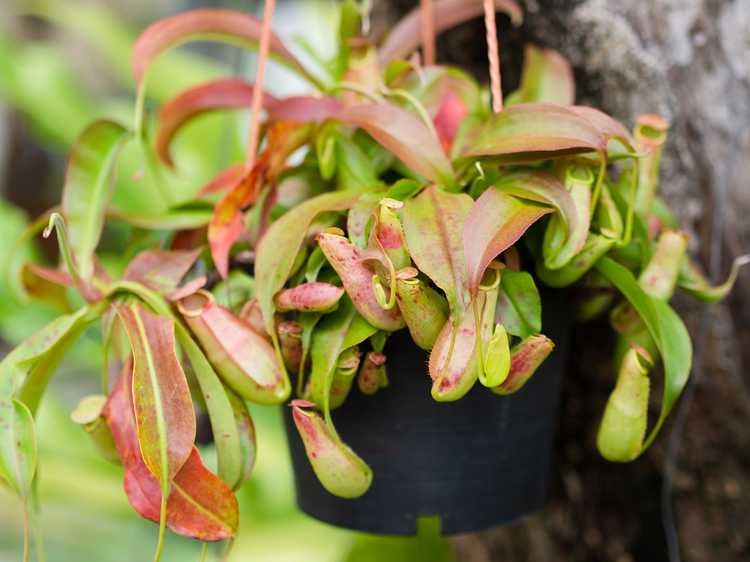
(64, 63)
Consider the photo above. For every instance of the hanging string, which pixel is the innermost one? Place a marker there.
(428, 33)
(260, 74)
(493, 56)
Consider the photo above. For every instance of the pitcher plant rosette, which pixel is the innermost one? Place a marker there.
(393, 197)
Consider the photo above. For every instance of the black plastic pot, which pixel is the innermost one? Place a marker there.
(478, 462)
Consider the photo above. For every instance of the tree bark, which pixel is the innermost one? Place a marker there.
(689, 61)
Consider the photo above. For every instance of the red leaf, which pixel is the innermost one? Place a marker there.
(226, 224)
(494, 224)
(405, 38)
(200, 505)
(161, 397)
(405, 136)
(225, 93)
(161, 270)
(227, 25)
(449, 116)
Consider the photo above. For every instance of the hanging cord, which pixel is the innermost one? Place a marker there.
(428, 32)
(493, 56)
(260, 74)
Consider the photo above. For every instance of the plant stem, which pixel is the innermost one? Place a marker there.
(26, 524)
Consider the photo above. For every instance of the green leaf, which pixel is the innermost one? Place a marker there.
(666, 329)
(623, 425)
(562, 242)
(694, 283)
(521, 290)
(335, 333)
(434, 228)
(88, 188)
(220, 407)
(279, 246)
(18, 451)
(186, 216)
(354, 171)
(24, 374)
(546, 77)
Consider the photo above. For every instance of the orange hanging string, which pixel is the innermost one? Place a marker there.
(493, 55)
(260, 74)
(428, 33)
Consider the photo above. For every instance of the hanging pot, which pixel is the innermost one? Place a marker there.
(481, 461)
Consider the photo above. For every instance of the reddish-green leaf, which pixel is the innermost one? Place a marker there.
(424, 310)
(547, 77)
(348, 261)
(279, 246)
(494, 224)
(88, 188)
(541, 187)
(241, 356)
(338, 468)
(161, 270)
(224, 93)
(434, 228)
(161, 397)
(405, 136)
(608, 127)
(303, 109)
(309, 297)
(195, 25)
(200, 505)
(525, 359)
(455, 362)
(405, 38)
(534, 131)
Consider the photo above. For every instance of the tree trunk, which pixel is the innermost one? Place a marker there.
(689, 61)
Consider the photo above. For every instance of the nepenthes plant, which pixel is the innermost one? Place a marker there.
(394, 196)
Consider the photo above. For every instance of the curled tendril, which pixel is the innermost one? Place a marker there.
(57, 223)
